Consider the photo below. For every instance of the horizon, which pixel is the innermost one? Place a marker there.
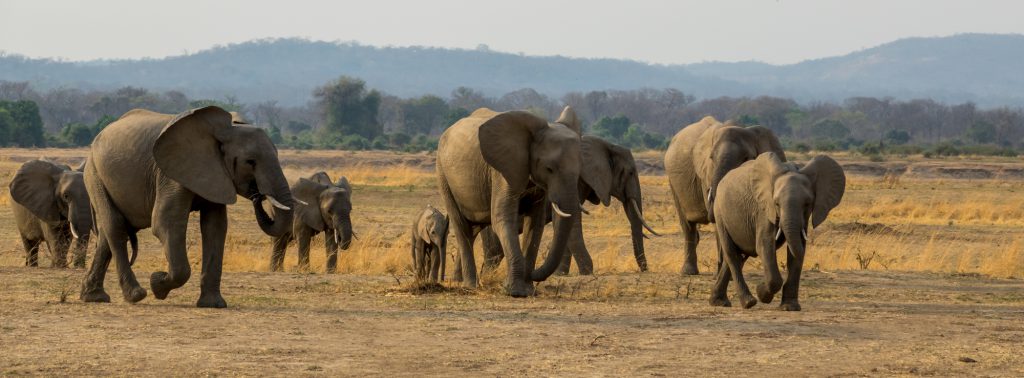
(648, 31)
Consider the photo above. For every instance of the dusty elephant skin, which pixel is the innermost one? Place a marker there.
(50, 204)
(507, 169)
(771, 202)
(151, 170)
(321, 206)
(696, 160)
(429, 244)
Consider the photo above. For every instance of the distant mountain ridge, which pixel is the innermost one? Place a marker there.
(983, 68)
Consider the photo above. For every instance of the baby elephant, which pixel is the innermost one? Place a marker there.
(762, 204)
(320, 206)
(429, 239)
(51, 205)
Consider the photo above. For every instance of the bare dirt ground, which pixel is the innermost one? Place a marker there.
(928, 304)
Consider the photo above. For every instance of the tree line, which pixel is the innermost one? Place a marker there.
(347, 114)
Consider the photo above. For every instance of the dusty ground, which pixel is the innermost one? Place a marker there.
(950, 317)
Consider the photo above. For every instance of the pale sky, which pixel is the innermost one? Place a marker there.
(774, 31)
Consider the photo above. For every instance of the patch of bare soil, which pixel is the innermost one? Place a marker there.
(853, 323)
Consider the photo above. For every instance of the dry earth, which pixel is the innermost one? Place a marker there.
(936, 296)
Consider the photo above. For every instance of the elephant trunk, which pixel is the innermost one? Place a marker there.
(726, 159)
(636, 225)
(794, 230)
(343, 231)
(560, 240)
(283, 209)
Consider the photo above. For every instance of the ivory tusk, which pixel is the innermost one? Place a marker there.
(337, 239)
(805, 234)
(640, 215)
(73, 232)
(278, 204)
(559, 211)
(303, 203)
(778, 234)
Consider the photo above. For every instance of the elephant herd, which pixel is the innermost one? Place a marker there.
(501, 175)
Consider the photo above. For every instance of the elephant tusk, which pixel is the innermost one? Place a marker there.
(278, 204)
(74, 233)
(778, 234)
(559, 211)
(640, 215)
(804, 232)
(301, 202)
(337, 239)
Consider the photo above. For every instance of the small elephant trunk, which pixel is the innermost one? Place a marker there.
(343, 232)
(637, 234)
(281, 221)
(559, 243)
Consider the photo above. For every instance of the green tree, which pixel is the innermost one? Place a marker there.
(896, 137)
(26, 129)
(829, 129)
(612, 128)
(349, 108)
(747, 120)
(425, 114)
(229, 105)
(981, 132)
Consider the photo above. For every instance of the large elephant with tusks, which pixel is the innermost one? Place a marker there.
(150, 169)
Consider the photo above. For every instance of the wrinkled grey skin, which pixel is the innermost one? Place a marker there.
(613, 170)
(321, 206)
(150, 169)
(506, 170)
(50, 205)
(697, 159)
(429, 244)
(763, 204)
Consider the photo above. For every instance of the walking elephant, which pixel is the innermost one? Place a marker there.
(322, 206)
(50, 205)
(696, 160)
(150, 169)
(429, 244)
(505, 170)
(763, 204)
(613, 171)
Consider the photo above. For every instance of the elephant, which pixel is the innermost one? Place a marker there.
(614, 172)
(764, 203)
(50, 205)
(429, 243)
(505, 170)
(322, 206)
(697, 158)
(148, 169)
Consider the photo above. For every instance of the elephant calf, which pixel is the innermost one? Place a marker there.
(322, 206)
(429, 241)
(762, 204)
(51, 204)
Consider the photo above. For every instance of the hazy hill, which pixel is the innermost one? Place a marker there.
(975, 67)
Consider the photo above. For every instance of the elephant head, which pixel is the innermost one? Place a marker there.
(326, 205)
(609, 171)
(794, 198)
(525, 149)
(53, 193)
(218, 157)
(731, 146)
(433, 228)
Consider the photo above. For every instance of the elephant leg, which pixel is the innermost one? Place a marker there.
(533, 229)
(332, 251)
(773, 279)
(443, 256)
(213, 224)
(303, 237)
(791, 289)
(58, 240)
(563, 267)
(80, 249)
(277, 256)
(31, 251)
(578, 249)
(735, 264)
(691, 236)
(435, 262)
(118, 242)
(92, 287)
(170, 223)
(419, 259)
(719, 295)
(465, 267)
(493, 253)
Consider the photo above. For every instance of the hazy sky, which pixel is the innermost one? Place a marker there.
(775, 31)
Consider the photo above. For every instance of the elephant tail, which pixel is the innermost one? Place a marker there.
(133, 239)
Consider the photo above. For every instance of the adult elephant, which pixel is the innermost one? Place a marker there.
(323, 206)
(152, 169)
(612, 170)
(50, 205)
(697, 158)
(505, 170)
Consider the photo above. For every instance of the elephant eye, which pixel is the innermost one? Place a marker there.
(251, 162)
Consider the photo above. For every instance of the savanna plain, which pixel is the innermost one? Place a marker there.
(917, 272)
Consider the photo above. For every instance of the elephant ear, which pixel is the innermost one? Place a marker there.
(238, 119)
(308, 191)
(81, 167)
(343, 183)
(569, 119)
(829, 185)
(765, 169)
(766, 141)
(35, 187)
(321, 177)
(188, 152)
(596, 171)
(505, 144)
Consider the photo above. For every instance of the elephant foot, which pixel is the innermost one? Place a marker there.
(211, 301)
(764, 294)
(134, 294)
(720, 302)
(520, 289)
(790, 306)
(94, 295)
(158, 282)
(690, 269)
(747, 301)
